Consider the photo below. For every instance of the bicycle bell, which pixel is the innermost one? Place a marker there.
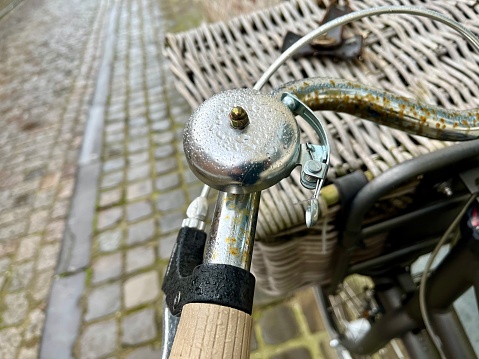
(243, 141)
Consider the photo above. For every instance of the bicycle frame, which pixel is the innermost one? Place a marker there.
(399, 296)
(231, 239)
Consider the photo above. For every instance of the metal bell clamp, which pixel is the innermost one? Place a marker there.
(314, 159)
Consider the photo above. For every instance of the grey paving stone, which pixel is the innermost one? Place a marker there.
(167, 181)
(29, 353)
(174, 199)
(28, 247)
(44, 198)
(138, 210)
(38, 220)
(9, 343)
(13, 230)
(109, 241)
(60, 209)
(51, 179)
(278, 324)
(140, 232)
(111, 197)
(99, 339)
(48, 256)
(166, 244)
(138, 172)
(164, 151)
(139, 327)
(111, 180)
(21, 198)
(169, 222)
(21, 276)
(41, 286)
(16, 308)
(310, 308)
(141, 289)
(112, 165)
(165, 165)
(66, 188)
(296, 353)
(4, 264)
(145, 353)
(137, 158)
(14, 214)
(107, 267)
(109, 217)
(139, 189)
(103, 300)
(55, 230)
(36, 318)
(139, 257)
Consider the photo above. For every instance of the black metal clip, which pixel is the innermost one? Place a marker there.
(188, 280)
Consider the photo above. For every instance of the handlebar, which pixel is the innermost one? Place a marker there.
(381, 107)
(208, 330)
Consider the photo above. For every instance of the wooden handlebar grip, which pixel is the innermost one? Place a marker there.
(212, 331)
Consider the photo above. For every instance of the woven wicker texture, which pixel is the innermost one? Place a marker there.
(411, 56)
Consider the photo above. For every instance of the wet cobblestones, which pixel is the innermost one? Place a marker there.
(46, 80)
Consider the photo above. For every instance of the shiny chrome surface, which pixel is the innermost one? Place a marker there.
(242, 160)
(170, 324)
(197, 211)
(314, 159)
(232, 231)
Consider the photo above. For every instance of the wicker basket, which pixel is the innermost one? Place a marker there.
(217, 10)
(411, 56)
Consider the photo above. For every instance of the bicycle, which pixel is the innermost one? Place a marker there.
(227, 253)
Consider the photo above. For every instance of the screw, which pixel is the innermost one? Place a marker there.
(239, 118)
(314, 167)
(334, 343)
(445, 188)
(289, 102)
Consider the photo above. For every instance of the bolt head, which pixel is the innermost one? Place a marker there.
(239, 118)
(314, 167)
(334, 343)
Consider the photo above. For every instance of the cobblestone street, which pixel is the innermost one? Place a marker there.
(46, 81)
(94, 185)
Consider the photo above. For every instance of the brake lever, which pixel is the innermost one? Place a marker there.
(313, 159)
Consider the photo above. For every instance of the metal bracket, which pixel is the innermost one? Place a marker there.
(314, 159)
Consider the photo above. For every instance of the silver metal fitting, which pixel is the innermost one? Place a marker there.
(197, 211)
